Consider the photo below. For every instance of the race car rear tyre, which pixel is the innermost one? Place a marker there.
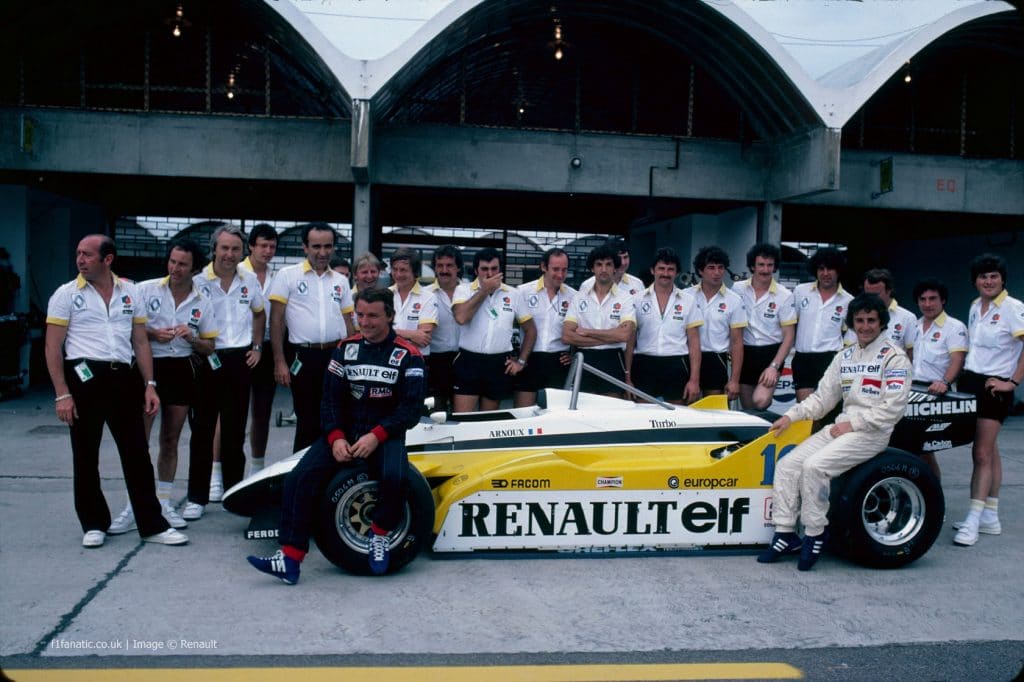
(346, 512)
(886, 512)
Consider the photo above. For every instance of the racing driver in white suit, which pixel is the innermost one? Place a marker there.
(872, 378)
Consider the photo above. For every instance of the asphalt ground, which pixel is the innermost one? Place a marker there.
(141, 610)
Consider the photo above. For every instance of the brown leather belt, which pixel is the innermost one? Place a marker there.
(318, 346)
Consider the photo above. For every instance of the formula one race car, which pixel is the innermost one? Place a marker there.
(585, 473)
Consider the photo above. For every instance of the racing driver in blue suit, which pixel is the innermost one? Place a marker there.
(373, 394)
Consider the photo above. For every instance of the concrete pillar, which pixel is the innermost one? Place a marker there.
(362, 214)
(15, 230)
(769, 223)
(362, 219)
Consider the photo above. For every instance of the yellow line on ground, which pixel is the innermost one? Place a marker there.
(506, 673)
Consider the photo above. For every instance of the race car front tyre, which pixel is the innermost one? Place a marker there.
(886, 512)
(346, 512)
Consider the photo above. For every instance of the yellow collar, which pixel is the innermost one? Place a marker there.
(81, 282)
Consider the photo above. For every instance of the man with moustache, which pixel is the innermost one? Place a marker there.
(444, 342)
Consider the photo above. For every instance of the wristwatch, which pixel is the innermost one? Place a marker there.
(151, 383)
(776, 366)
(521, 362)
(257, 347)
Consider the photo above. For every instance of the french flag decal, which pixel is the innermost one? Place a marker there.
(534, 432)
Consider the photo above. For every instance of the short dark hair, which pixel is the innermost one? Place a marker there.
(619, 244)
(378, 294)
(827, 257)
(604, 252)
(107, 246)
(263, 231)
(447, 251)
(667, 254)
(867, 302)
(554, 251)
(708, 255)
(189, 245)
(320, 227)
(410, 256)
(987, 262)
(876, 275)
(338, 262)
(486, 254)
(932, 284)
(764, 250)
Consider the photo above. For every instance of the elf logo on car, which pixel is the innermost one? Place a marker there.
(541, 519)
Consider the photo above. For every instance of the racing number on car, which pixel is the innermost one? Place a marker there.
(769, 461)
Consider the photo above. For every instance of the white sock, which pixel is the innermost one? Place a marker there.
(163, 490)
(974, 511)
(255, 464)
(215, 474)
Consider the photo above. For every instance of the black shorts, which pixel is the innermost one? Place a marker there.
(755, 361)
(609, 361)
(714, 371)
(661, 377)
(990, 406)
(543, 370)
(175, 380)
(809, 368)
(481, 374)
(263, 372)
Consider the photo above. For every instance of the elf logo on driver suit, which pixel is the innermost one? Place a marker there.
(540, 515)
(521, 483)
(383, 375)
(396, 356)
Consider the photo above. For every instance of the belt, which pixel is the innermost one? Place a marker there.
(318, 346)
(232, 351)
(102, 364)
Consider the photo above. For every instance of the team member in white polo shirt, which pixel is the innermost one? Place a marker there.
(993, 371)
(262, 249)
(315, 303)
(667, 326)
(771, 327)
(226, 377)
(902, 323)
(486, 310)
(820, 312)
(444, 342)
(633, 285)
(180, 324)
(547, 300)
(725, 318)
(941, 345)
(93, 325)
(415, 306)
(601, 321)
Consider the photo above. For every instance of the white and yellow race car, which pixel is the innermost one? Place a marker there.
(585, 473)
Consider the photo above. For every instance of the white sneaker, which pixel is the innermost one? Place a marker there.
(968, 533)
(987, 526)
(93, 538)
(124, 522)
(192, 511)
(171, 515)
(216, 490)
(168, 537)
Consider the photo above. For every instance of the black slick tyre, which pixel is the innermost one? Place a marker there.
(886, 512)
(345, 513)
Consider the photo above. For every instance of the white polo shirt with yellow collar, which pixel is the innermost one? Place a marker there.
(233, 308)
(588, 312)
(722, 313)
(445, 338)
(996, 336)
(490, 330)
(264, 288)
(195, 310)
(820, 324)
(663, 333)
(315, 305)
(419, 307)
(766, 316)
(931, 352)
(96, 330)
(548, 314)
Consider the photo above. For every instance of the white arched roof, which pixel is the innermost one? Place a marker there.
(838, 63)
